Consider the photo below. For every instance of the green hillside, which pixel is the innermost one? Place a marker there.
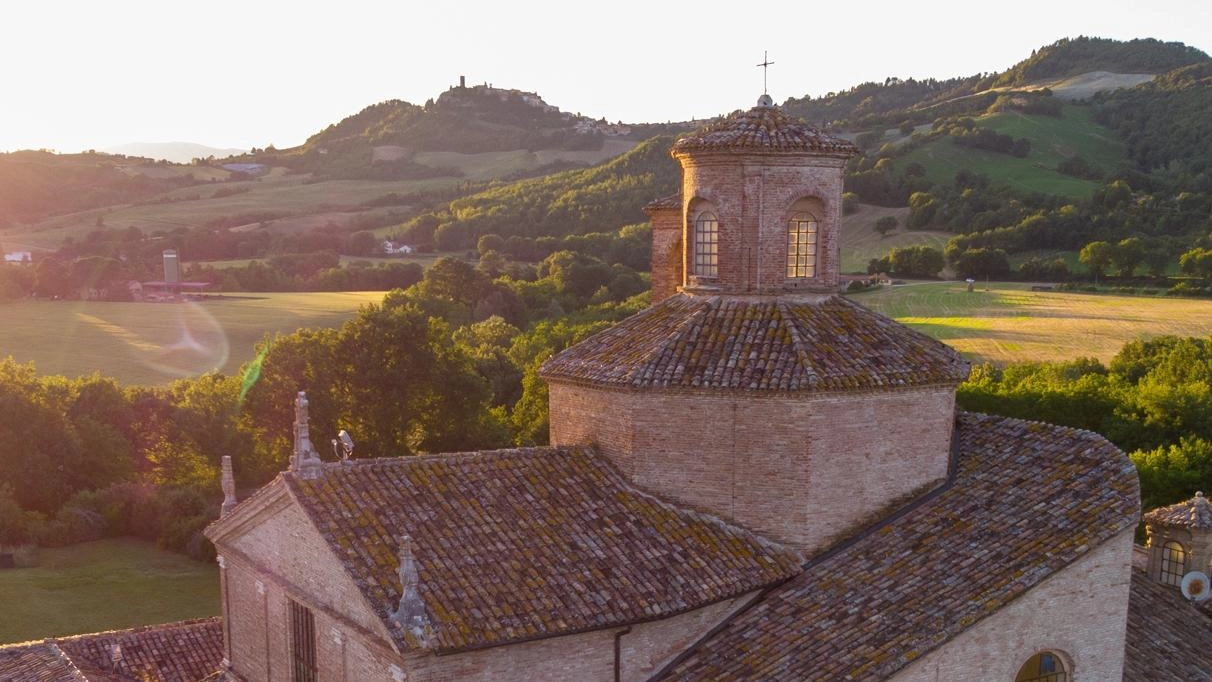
(1053, 139)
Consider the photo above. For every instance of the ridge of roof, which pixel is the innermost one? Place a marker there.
(671, 202)
(520, 544)
(758, 343)
(1074, 490)
(1195, 513)
(763, 129)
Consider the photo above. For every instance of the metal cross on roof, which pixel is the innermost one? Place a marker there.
(765, 63)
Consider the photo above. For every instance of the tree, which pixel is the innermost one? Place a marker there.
(1127, 255)
(982, 263)
(916, 261)
(1197, 262)
(1096, 256)
(885, 225)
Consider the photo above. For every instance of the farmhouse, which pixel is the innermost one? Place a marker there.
(753, 479)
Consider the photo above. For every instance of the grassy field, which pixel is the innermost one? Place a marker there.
(861, 243)
(293, 194)
(104, 585)
(1011, 323)
(154, 343)
(1053, 139)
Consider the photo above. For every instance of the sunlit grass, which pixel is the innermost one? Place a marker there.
(104, 585)
(1011, 323)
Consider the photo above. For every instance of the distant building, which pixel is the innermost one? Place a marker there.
(19, 257)
(393, 248)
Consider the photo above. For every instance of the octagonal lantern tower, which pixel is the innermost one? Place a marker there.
(750, 389)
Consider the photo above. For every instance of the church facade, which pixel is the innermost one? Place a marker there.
(753, 479)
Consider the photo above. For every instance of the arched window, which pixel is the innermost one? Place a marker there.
(802, 234)
(1043, 667)
(1173, 563)
(706, 245)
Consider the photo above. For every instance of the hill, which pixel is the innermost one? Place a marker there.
(175, 152)
(399, 140)
(920, 101)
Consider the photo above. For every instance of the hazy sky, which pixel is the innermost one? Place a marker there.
(79, 74)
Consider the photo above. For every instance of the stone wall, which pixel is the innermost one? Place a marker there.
(803, 470)
(1079, 613)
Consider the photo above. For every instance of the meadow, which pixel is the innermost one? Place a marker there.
(104, 585)
(1053, 139)
(155, 343)
(860, 242)
(1010, 323)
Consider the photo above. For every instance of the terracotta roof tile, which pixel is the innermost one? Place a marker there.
(1193, 513)
(184, 651)
(1027, 498)
(519, 544)
(824, 343)
(763, 129)
(1168, 638)
(671, 202)
(36, 662)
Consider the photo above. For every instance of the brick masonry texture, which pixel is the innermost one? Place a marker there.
(1077, 613)
(510, 545)
(666, 218)
(1027, 501)
(802, 470)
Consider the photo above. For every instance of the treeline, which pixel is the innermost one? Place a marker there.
(1165, 124)
(38, 184)
(1073, 56)
(598, 199)
(1153, 400)
(448, 363)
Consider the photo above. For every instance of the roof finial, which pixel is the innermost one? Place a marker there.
(765, 100)
(228, 482)
(410, 613)
(305, 461)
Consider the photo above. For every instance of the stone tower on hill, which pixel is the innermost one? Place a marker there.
(751, 389)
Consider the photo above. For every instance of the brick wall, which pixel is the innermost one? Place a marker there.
(1080, 613)
(666, 252)
(280, 557)
(802, 470)
(587, 657)
(754, 196)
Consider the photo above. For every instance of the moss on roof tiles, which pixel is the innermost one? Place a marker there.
(902, 590)
(758, 344)
(1168, 637)
(519, 544)
(763, 129)
(1194, 513)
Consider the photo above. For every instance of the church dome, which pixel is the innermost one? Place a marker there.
(821, 343)
(763, 129)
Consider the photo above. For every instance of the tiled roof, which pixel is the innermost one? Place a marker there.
(823, 343)
(518, 544)
(1168, 638)
(1027, 500)
(763, 129)
(36, 662)
(1194, 513)
(673, 201)
(185, 651)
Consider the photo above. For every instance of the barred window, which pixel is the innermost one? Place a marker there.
(706, 245)
(1173, 563)
(302, 643)
(802, 234)
(1042, 667)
